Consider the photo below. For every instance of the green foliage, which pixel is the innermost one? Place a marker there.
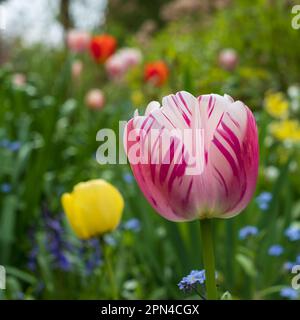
(57, 134)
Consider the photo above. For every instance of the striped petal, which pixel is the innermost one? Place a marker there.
(164, 160)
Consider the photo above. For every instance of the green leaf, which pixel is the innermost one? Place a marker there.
(21, 275)
(247, 265)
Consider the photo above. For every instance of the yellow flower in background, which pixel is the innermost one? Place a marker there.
(276, 105)
(137, 98)
(93, 208)
(286, 130)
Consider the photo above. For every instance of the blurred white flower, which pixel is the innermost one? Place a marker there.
(271, 173)
(294, 91)
(294, 94)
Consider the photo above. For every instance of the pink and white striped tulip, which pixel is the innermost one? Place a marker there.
(226, 143)
(119, 63)
(78, 41)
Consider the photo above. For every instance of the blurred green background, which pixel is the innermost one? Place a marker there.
(48, 144)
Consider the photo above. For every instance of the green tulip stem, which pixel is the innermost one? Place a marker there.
(208, 259)
(109, 270)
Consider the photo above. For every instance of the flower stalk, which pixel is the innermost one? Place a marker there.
(209, 259)
(109, 270)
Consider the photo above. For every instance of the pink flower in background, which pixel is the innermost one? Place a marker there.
(228, 59)
(224, 141)
(19, 79)
(77, 67)
(131, 56)
(119, 63)
(95, 99)
(115, 67)
(78, 41)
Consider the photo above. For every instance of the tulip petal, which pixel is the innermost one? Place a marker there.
(224, 136)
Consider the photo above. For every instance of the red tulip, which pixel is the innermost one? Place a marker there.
(216, 140)
(156, 73)
(102, 47)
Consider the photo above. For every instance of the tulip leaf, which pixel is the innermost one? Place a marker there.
(246, 264)
(19, 274)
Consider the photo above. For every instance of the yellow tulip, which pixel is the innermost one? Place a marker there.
(93, 208)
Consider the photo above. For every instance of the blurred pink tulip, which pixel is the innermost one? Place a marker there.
(78, 41)
(228, 59)
(223, 141)
(95, 99)
(19, 79)
(77, 67)
(119, 63)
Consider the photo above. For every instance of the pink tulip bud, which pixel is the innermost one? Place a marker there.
(78, 41)
(228, 59)
(77, 67)
(115, 67)
(131, 56)
(194, 158)
(19, 79)
(119, 63)
(95, 99)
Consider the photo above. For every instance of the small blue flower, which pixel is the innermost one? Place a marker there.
(247, 231)
(298, 259)
(5, 187)
(110, 240)
(14, 146)
(63, 262)
(263, 200)
(132, 225)
(20, 295)
(289, 293)
(10, 145)
(54, 225)
(288, 266)
(128, 178)
(190, 281)
(275, 250)
(293, 233)
(32, 258)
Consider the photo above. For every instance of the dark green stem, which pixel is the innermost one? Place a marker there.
(208, 259)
